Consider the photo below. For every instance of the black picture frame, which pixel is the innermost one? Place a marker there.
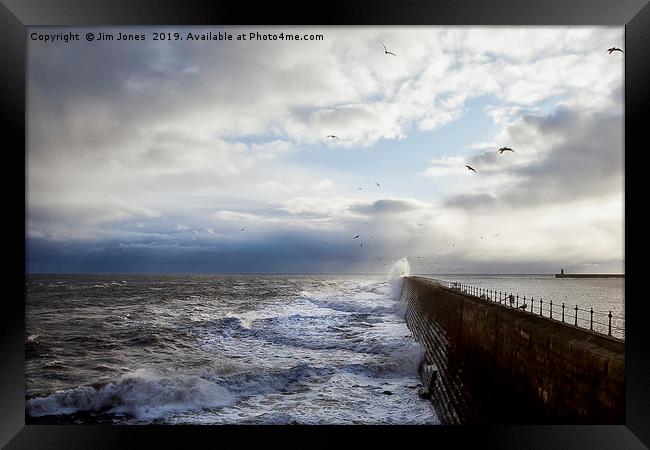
(16, 15)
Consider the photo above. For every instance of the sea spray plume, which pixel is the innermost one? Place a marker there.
(398, 271)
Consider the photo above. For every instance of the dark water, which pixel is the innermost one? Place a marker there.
(220, 349)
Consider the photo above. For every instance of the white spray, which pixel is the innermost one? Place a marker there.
(398, 271)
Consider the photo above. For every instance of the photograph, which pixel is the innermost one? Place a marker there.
(292, 225)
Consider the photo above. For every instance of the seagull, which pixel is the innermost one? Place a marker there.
(386, 52)
(470, 168)
(333, 137)
(378, 185)
(359, 188)
(614, 49)
(505, 149)
(524, 306)
(356, 237)
(242, 228)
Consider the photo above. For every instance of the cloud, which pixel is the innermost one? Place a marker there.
(584, 160)
(389, 206)
(129, 143)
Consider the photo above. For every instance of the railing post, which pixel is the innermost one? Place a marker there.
(576, 322)
(532, 302)
(551, 310)
(591, 320)
(609, 332)
(517, 304)
(562, 311)
(540, 306)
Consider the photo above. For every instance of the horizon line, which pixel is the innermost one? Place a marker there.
(312, 273)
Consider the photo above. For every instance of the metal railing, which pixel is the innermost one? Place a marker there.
(558, 312)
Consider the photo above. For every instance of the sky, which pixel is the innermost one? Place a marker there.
(190, 156)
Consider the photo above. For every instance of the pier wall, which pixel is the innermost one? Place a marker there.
(486, 363)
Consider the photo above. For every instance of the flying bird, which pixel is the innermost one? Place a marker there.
(386, 52)
(242, 228)
(505, 149)
(614, 49)
(356, 237)
(359, 188)
(378, 185)
(470, 168)
(333, 137)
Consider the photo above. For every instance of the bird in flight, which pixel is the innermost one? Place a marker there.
(333, 137)
(505, 149)
(242, 228)
(386, 52)
(614, 49)
(356, 237)
(470, 168)
(378, 185)
(359, 188)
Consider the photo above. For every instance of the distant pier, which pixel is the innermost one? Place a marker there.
(588, 275)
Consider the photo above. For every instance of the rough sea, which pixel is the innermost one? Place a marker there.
(202, 349)
(246, 349)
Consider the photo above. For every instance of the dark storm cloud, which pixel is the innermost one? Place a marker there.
(279, 252)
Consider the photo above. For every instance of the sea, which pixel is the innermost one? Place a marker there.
(221, 349)
(239, 349)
